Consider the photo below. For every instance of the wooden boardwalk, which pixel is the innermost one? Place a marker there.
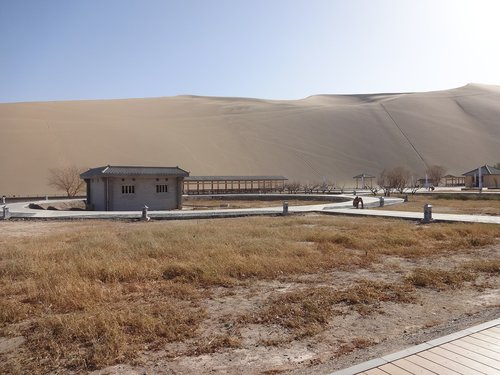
(474, 351)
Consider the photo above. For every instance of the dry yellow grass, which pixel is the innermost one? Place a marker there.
(203, 204)
(306, 312)
(487, 204)
(90, 296)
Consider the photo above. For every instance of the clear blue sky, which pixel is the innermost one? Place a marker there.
(279, 49)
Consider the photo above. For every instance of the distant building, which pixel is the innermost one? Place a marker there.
(364, 181)
(485, 176)
(233, 184)
(452, 180)
(122, 188)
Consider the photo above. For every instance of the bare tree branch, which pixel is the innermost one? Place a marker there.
(67, 179)
(435, 173)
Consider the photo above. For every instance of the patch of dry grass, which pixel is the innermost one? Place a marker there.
(205, 204)
(306, 312)
(486, 204)
(440, 279)
(491, 266)
(88, 297)
(356, 343)
(217, 343)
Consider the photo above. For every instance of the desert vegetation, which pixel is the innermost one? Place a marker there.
(202, 204)
(85, 295)
(478, 204)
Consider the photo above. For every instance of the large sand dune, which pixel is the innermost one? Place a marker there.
(332, 137)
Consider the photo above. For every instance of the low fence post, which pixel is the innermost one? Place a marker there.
(6, 213)
(145, 216)
(427, 213)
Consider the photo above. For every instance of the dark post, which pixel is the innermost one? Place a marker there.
(427, 213)
(285, 208)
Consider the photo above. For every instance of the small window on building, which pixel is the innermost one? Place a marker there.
(161, 188)
(128, 189)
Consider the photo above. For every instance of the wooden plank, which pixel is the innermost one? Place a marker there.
(490, 333)
(495, 329)
(472, 355)
(394, 370)
(375, 371)
(482, 344)
(483, 337)
(449, 363)
(462, 359)
(475, 348)
(412, 368)
(430, 365)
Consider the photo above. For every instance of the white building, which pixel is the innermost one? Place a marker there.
(120, 188)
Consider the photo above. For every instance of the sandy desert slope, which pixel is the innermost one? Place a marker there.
(332, 137)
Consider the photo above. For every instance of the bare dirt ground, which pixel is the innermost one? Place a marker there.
(239, 336)
(352, 337)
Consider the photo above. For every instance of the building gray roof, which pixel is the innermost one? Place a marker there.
(485, 170)
(364, 175)
(234, 178)
(120, 171)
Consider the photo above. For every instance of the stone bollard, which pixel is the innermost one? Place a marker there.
(285, 207)
(354, 192)
(381, 202)
(427, 213)
(406, 198)
(6, 213)
(145, 216)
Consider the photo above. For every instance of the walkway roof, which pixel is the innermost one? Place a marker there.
(235, 178)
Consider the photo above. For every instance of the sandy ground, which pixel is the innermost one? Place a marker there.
(323, 137)
(351, 337)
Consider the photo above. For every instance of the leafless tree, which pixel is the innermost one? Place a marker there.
(293, 187)
(308, 187)
(323, 187)
(414, 186)
(374, 189)
(399, 178)
(383, 182)
(435, 173)
(67, 179)
(394, 179)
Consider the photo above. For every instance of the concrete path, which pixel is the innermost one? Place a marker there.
(21, 210)
(417, 215)
(475, 350)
